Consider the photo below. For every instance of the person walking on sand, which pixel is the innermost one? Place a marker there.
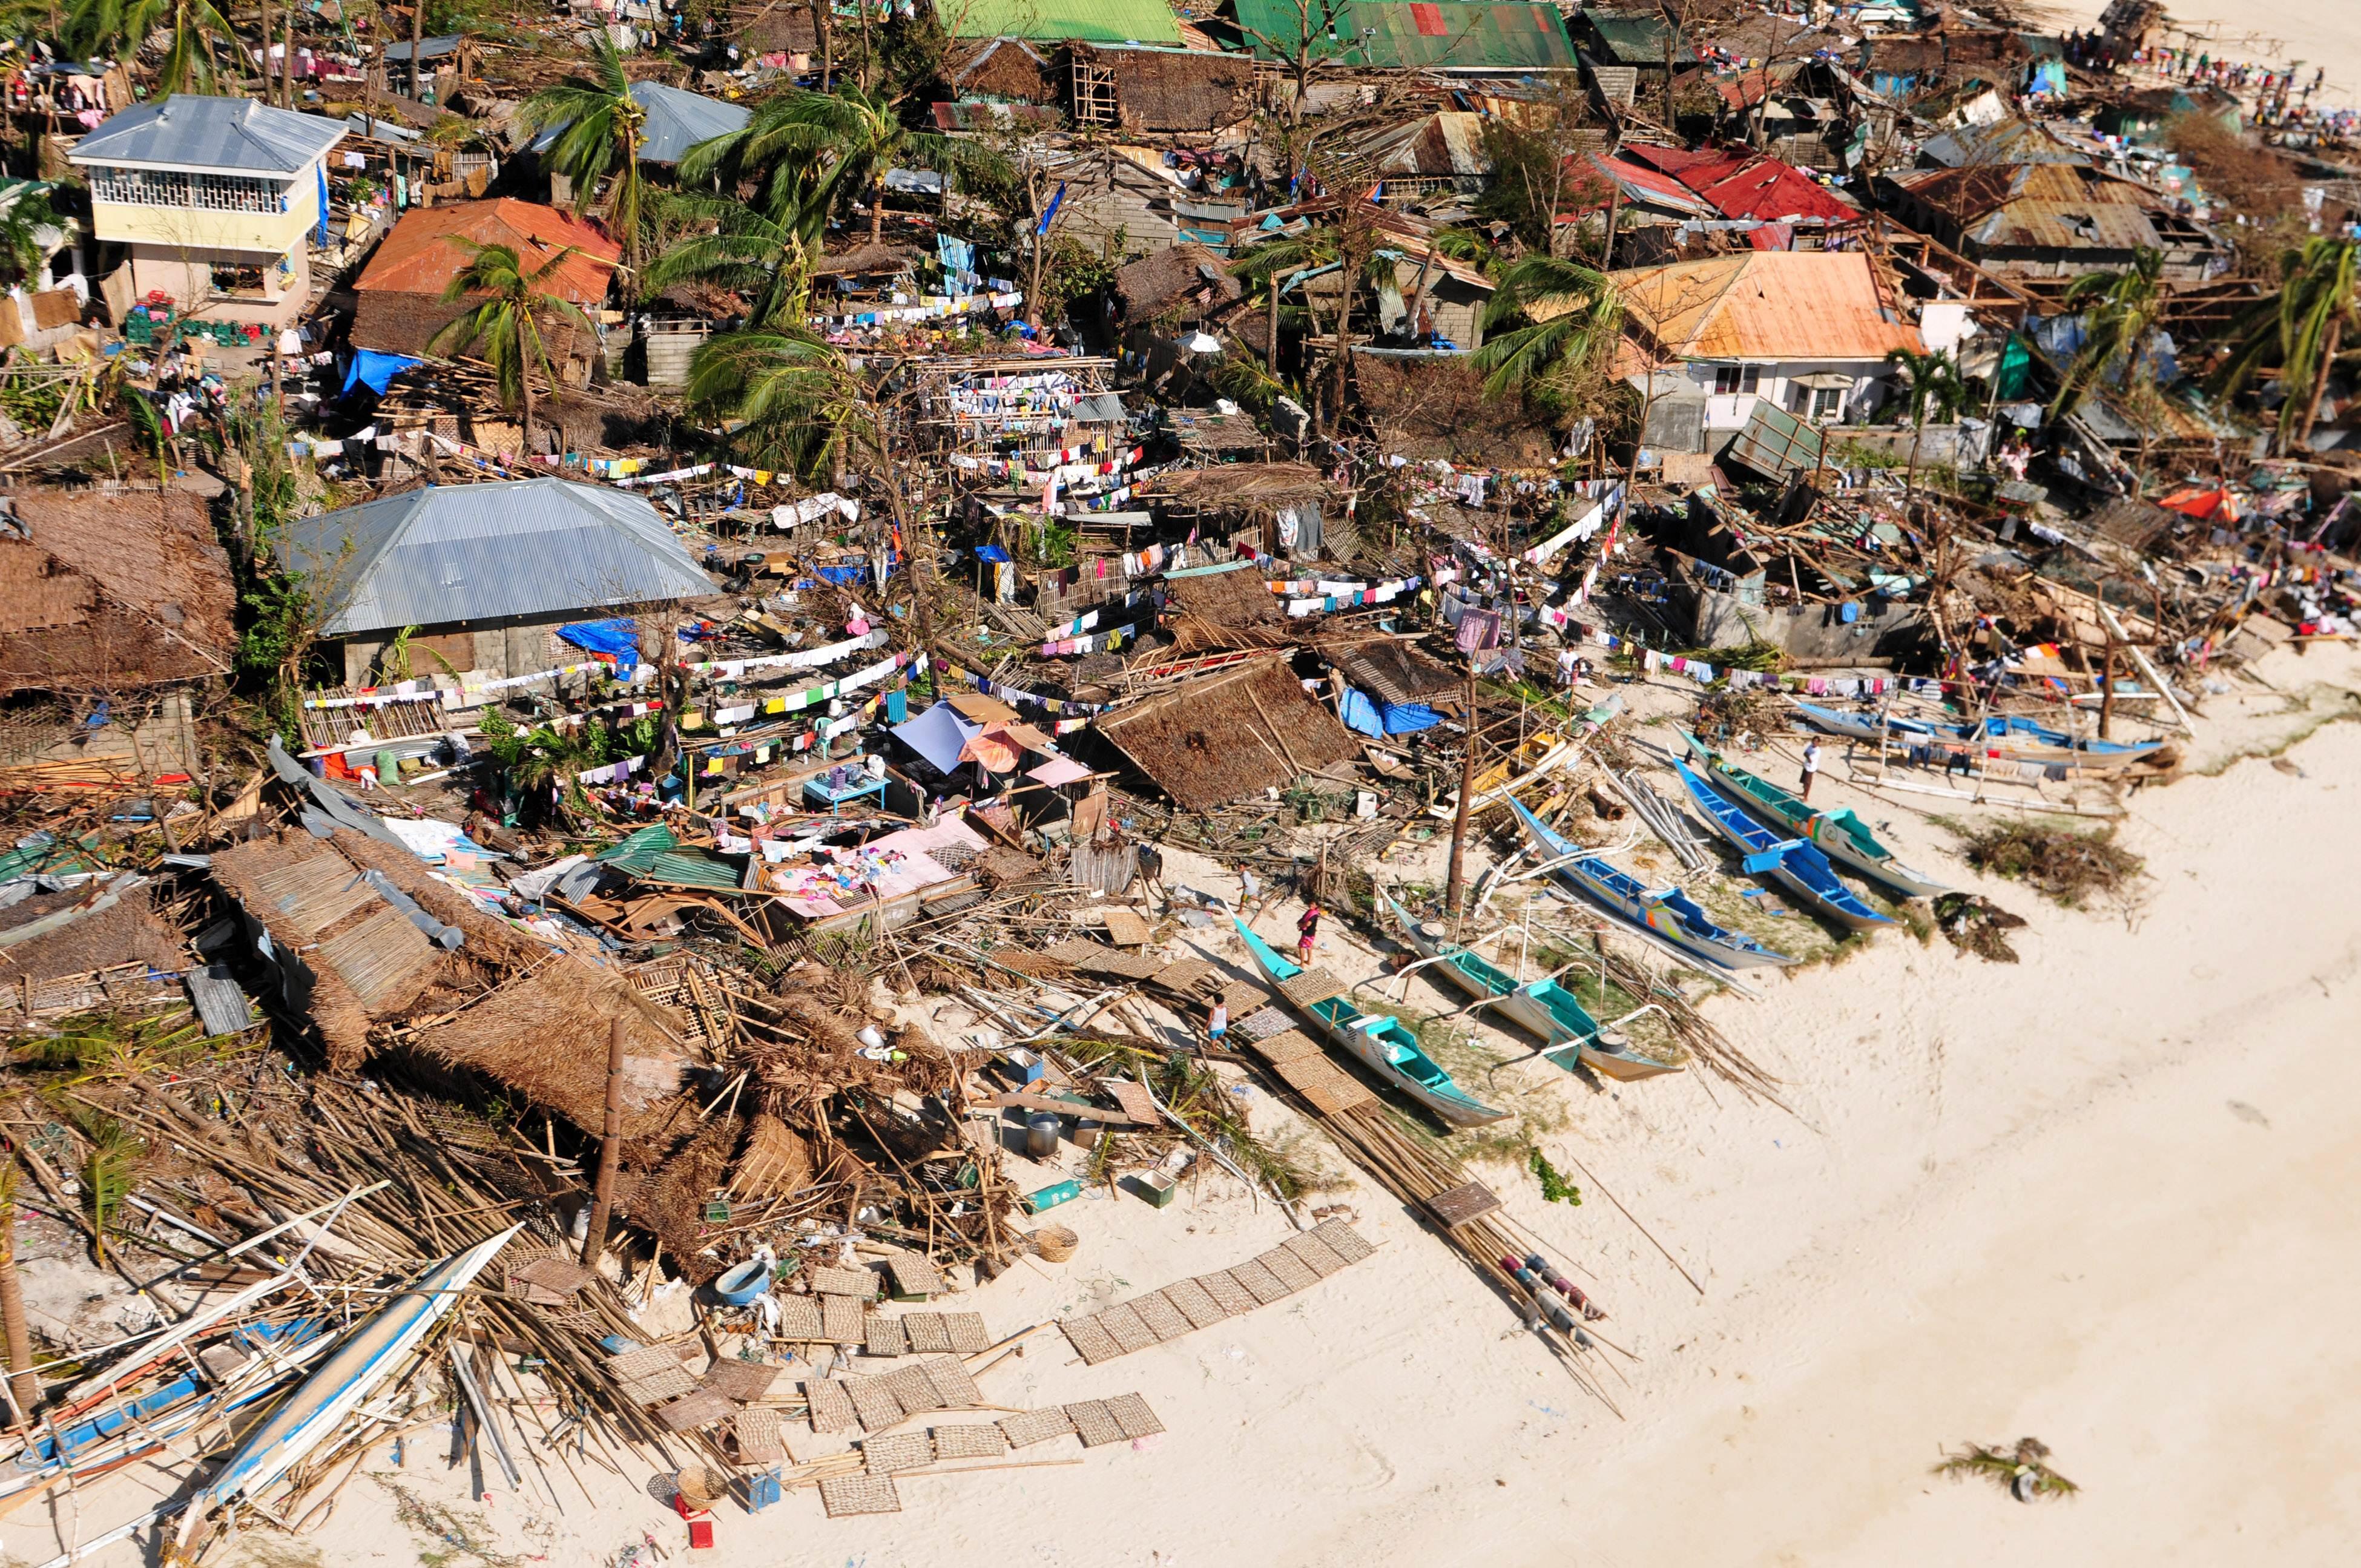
(1811, 765)
(1307, 928)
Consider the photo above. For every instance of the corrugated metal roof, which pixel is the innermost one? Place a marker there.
(1392, 34)
(2042, 205)
(429, 49)
(1775, 443)
(675, 120)
(232, 135)
(1095, 21)
(468, 552)
(2009, 140)
(1765, 305)
(1635, 38)
(678, 120)
(1449, 142)
(219, 1000)
(423, 253)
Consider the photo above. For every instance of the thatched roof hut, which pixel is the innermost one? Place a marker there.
(1187, 280)
(99, 593)
(1239, 597)
(1394, 671)
(1218, 740)
(1160, 89)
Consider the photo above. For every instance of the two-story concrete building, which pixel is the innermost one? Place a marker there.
(216, 200)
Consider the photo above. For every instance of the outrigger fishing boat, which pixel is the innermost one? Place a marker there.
(1667, 914)
(1542, 1007)
(1800, 867)
(1381, 1043)
(1837, 832)
(2018, 739)
(362, 1360)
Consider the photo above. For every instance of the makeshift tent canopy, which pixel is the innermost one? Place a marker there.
(939, 735)
(376, 371)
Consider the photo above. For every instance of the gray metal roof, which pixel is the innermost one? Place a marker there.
(232, 136)
(472, 553)
(428, 49)
(676, 121)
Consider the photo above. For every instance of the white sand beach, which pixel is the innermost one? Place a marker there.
(2278, 34)
(2103, 1198)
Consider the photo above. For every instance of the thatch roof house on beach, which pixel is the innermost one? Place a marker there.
(1231, 735)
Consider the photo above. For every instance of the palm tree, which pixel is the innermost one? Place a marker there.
(1574, 319)
(2122, 311)
(768, 261)
(1348, 246)
(598, 125)
(505, 320)
(192, 61)
(24, 1388)
(787, 400)
(806, 150)
(25, 215)
(2302, 328)
(1931, 388)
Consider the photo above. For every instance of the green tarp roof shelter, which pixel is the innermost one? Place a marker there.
(1094, 21)
(1634, 37)
(1446, 34)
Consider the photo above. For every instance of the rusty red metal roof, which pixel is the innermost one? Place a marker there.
(423, 253)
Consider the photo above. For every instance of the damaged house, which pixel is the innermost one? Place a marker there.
(399, 297)
(1159, 91)
(113, 610)
(1228, 736)
(2055, 220)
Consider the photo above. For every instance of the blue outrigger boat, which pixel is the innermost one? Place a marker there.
(1667, 914)
(1798, 865)
(1837, 832)
(1544, 1007)
(1381, 1043)
(2012, 736)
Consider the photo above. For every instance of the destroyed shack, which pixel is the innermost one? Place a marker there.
(1159, 91)
(2056, 221)
(113, 611)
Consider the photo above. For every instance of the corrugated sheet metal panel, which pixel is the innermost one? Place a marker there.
(696, 868)
(1765, 305)
(462, 553)
(1095, 21)
(219, 1002)
(1446, 33)
(189, 132)
(2065, 225)
(678, 120)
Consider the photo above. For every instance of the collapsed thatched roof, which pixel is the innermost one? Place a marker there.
(1394, 671)
(1240, 597)
(348, 956)
(99, 592)
(1228, 736)
(1188, 274)
(545, 1037)
(1252, 487)
(127, 931)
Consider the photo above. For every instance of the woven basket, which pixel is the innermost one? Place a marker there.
(1054, 1243)
(699, 1487)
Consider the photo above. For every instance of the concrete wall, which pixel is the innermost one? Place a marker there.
(497, 649)
(1964, 444)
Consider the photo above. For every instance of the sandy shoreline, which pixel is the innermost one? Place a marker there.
(2102, 1197)
(2316, 32)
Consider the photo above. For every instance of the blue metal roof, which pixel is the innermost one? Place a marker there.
(231, 135)
(449, 553)
(676, 121)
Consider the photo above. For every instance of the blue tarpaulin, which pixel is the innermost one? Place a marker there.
(1371, 717)
(993, 552)
(844, 577)
(377, 370)
(618, 638)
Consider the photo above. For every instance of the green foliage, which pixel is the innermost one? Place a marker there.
(544, 755)
(1555, 1189)
(2298, 328)
(24, 211)
(1531, 183)
(2022, 1470)
(203, 54)
(506, 323)
(788, 400)
(275, 614)
(737, 248)
(601, 124)
(2121, 311)
(1573, 320)
(1072, 270)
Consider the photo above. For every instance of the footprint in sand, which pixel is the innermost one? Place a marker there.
(2246, 1112)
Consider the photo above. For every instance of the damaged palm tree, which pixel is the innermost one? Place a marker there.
(2022, 1470)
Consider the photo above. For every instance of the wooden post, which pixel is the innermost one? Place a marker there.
(1457, 889)
(610, 1151)
(24, 1388)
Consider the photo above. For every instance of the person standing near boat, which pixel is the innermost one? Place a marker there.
(1811, 766)
(1307, 928)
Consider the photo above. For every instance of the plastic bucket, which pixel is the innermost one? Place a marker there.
(745, 1282)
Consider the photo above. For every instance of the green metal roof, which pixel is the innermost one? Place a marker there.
(1391, 33)
(1095, 21)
